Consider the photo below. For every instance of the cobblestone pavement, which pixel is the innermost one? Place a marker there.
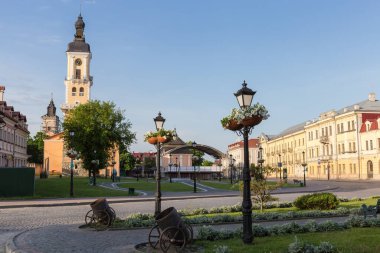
(15, 220)
(69, 238)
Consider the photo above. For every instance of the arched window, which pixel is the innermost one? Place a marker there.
(81, 91)
(74, 91)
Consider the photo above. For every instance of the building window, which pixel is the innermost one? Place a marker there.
(353, 125)
(74, 91)
(348, 126)
(338, 148)
(367, 126)
(323, 131)
(343, 148)
(330, 127)
(354, 168)
(316, 134)
(350, 168)
(77, 74)
(338, 129)
(366, 145)
(81, 91)
(371, 145)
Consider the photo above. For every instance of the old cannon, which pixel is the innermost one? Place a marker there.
(101, 215)
(170, 231)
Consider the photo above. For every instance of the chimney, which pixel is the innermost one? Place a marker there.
(2, 89)
(372, 97)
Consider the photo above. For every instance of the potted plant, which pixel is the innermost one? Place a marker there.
(151, 137)
(249, 116)
(164, 135)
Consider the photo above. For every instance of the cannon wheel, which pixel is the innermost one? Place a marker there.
(89, 218)
(168, 239)
(102, 221)
(154, 236)
(113, 216)
(191, 233)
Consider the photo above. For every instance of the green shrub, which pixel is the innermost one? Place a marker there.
(301, 247)
(321, 201)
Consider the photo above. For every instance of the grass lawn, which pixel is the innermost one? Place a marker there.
(222, 185)
(55, 187)
(356, 240)
(226, 185)
(150, 185)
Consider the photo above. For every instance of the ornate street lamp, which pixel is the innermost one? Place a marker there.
(244, 97)
(195, 159)
(176, 165)
(72, 154)
(220, 171)
(304, 164)
(170, 168)
(159, 122)
(280, 165)
(231, 165)
(113, 167)
(260, 160)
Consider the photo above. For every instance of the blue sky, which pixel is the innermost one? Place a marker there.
(186, 58)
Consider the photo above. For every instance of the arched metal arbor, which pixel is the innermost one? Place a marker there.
(217, 154)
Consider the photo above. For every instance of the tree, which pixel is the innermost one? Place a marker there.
(98, 129)
(260, 188)
(35, 148)
(207, 163)
(127, 160)
(196, 153)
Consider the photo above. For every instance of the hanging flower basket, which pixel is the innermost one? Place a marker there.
(152, 140)
(233, 125)
(161, 139)
(252, 121)
(249, 116)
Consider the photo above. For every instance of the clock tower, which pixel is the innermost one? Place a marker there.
(78, 80)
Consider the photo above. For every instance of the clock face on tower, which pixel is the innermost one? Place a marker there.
(78, 62)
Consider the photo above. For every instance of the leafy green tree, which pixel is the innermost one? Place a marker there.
(149, 162)
(260, 188)
(196, 153)
(127, 160)
(35, 148)
(98, 128)
(207, 163)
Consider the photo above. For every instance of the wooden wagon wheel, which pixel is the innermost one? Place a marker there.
(172, 237)
(102, 221)
(113, 216)
(154, 236)
(189, 229)
(89, 218)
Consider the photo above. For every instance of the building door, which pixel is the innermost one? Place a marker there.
(369, 169)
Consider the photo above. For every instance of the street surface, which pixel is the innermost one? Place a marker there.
(15, 220)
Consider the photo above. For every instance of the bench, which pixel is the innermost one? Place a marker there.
(296, 181)
(371, 210)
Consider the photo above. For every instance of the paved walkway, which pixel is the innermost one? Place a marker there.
(69, 238)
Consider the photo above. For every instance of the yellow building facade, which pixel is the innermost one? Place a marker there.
(343, 144)
(78, 83)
